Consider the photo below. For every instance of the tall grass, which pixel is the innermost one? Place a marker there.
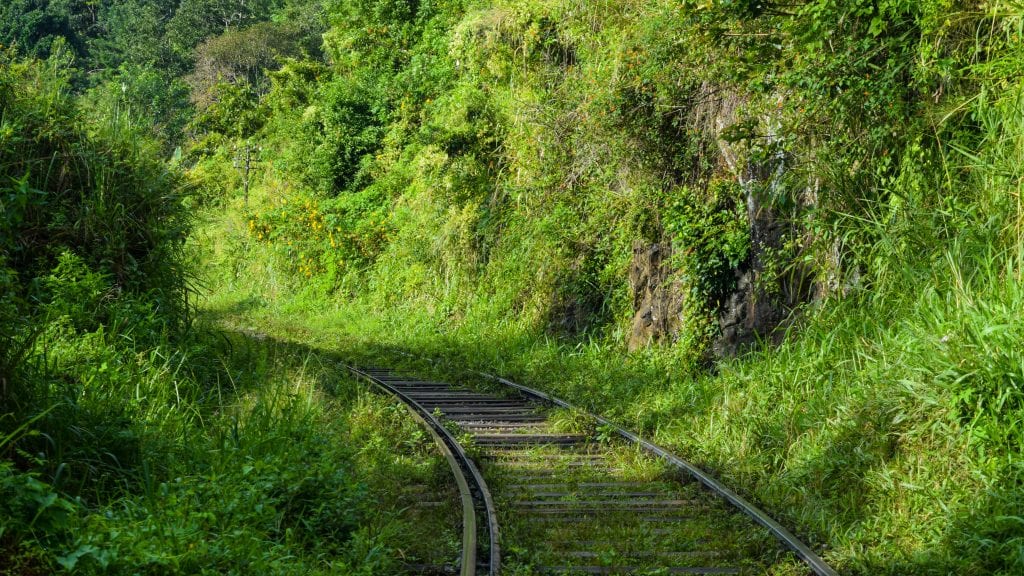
(497, 221)
(134, 439)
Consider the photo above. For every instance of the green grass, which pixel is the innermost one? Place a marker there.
(886, 428)
(280, 464)
(479, 204)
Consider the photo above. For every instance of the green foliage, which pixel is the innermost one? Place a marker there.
(137, 54)
(235, 110)
(473, 179)
(197, 20)
(238, 458)
(92, 186)
(520, 124)
(33, 515)
(91, 227)
(243, 56)
(152, 98)
(334, 139)
(329, 237)
(517, 153)
(30, 505)
(128, 444)
(656, 99)
(131, 33)
(75, 292)
(712, 232)
(40, 27)
(15, 340)
(131, 439)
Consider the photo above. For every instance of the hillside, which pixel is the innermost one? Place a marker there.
(783, 239)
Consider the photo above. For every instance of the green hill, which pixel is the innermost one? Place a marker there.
(785, 239)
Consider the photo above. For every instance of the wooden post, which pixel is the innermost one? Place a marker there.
(245, 179)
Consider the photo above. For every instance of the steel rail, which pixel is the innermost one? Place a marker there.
(465, 472)
(815, 562)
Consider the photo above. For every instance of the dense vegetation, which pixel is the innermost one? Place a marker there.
(135, 438)
(480, 179)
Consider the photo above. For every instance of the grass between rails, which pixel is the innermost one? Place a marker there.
(695, 530)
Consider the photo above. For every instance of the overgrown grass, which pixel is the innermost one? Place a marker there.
(136, 439)
(271, 461)
(467, 181)
(493, 221)
(886, 429)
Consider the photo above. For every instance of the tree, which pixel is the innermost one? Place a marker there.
(196, 20)
(132, 31)
(242, 56)
(34, 25)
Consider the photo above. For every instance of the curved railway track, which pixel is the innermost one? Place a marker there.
(576, 494)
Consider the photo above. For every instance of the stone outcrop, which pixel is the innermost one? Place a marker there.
(750, 313)
(657, 299)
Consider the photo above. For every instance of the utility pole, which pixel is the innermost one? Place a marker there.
(248, 165)
(243, 162)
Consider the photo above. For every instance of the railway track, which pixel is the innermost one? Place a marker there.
(575, 494)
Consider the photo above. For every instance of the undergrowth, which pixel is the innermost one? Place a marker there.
(473, 180)
(134, 438)
(856, 162)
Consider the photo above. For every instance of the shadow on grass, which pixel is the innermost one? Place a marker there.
(222, 450)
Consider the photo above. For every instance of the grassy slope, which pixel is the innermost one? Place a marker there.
(846, 432)
(887, 426)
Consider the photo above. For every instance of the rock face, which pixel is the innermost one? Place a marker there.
(750, 313)
(747, 316)
(658, 301)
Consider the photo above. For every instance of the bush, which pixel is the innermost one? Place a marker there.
(94, 187)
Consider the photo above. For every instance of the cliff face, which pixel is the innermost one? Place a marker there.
(760, 299)
(658, 297)
(750, 313)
